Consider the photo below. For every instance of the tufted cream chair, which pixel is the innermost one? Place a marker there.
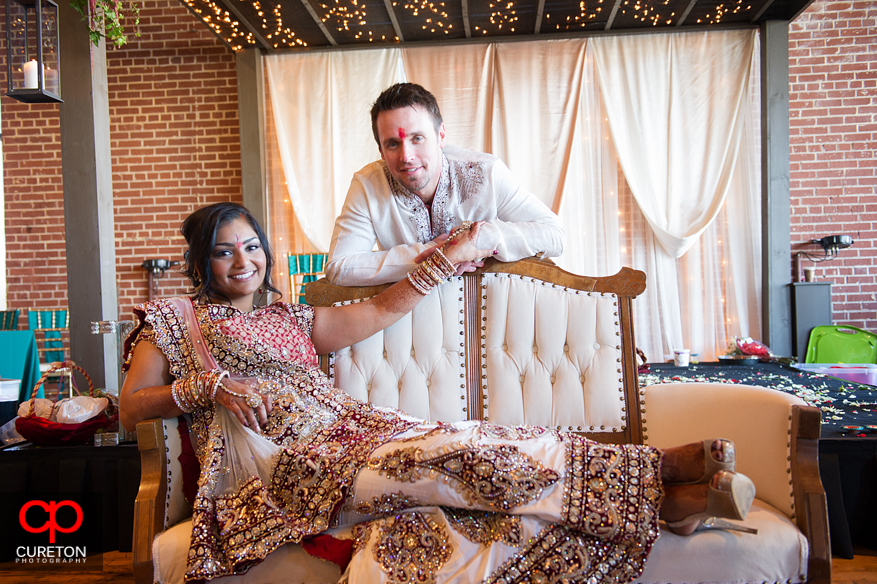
(527, 343)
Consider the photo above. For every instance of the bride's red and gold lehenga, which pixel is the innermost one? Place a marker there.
(421, 502)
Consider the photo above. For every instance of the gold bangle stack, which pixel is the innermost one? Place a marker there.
(196, 389)
(432, 272)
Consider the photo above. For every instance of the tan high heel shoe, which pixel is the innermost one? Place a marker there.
(710, 465)
(731, 499)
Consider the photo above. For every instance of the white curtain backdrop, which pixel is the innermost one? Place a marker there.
(320, 103)
(680, 123)
(676, 119)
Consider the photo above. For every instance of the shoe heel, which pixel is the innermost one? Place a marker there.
(742, 491)
(730, 499)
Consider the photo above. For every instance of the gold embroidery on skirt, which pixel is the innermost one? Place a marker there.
(485, 527)
(412, 548)
(499, 477)
(384, 505)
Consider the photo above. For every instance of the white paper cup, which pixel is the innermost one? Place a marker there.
(681, 357)
(809, 274)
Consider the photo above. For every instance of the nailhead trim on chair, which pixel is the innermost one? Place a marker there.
(167, 497)
(789, 469)
(482, 328)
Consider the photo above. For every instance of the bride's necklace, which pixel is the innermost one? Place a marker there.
(223, 302)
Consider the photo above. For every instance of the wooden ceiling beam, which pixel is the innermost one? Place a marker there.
(612, 14)
(686, 12)
(394, 20)
(762, 11)
(540, 12)
(319, 22)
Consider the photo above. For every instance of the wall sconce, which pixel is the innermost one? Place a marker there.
(32, 60)
(155, 270)
(830, 244)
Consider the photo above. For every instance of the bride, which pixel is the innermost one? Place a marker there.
(284, 456)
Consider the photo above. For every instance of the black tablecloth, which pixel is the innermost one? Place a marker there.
(843, 403)
(110, 474)
(847, 458)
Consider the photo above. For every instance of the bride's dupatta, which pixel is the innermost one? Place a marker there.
(247, 454)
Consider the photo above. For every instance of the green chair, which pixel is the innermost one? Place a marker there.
(9, 320)
(304, 268)
(841, 344)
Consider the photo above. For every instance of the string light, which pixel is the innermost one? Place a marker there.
(352, 16)
(435, 15)
(723, 9)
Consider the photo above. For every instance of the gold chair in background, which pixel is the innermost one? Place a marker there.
(9, 320)
(52, 332)
(304, 268)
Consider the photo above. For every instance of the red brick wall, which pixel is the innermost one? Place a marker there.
(175, 140)
(175, 147)
(833, 111)
(36, 268)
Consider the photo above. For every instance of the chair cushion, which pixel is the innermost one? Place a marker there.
(757, 419)
(552, 355)
(289, 564)
(777, 554)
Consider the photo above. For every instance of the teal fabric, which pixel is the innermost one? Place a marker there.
(311, 265)
(19, 359)
(49, 319)
(9, 320)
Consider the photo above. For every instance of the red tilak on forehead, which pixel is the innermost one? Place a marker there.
(237, 239)
(401, 134)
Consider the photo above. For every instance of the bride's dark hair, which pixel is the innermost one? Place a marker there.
(200, 229)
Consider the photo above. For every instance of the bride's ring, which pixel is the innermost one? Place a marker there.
(254, 400)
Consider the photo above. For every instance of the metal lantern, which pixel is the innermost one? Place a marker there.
(32, 58)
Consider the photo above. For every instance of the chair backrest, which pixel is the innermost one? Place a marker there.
(304, 268)
(51, 329)
(841, 344)
(512, 343)
(9, 320)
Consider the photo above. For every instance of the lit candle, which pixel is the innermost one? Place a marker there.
(31, 75)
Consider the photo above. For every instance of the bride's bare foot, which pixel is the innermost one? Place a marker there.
(686, 464)
(681, 501)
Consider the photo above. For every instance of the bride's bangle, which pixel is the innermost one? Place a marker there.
(197, 389)
(431, 272)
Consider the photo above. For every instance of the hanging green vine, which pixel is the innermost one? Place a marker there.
(105, 19)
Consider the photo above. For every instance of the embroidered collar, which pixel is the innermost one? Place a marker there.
(441, 212)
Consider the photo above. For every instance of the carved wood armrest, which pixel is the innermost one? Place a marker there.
(149, 507)
(811, 510)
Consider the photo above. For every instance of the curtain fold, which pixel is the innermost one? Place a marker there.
(461, 77)
(589, 201)
(674, 106)
(321, 102)
(535, 142)
(646, 146)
